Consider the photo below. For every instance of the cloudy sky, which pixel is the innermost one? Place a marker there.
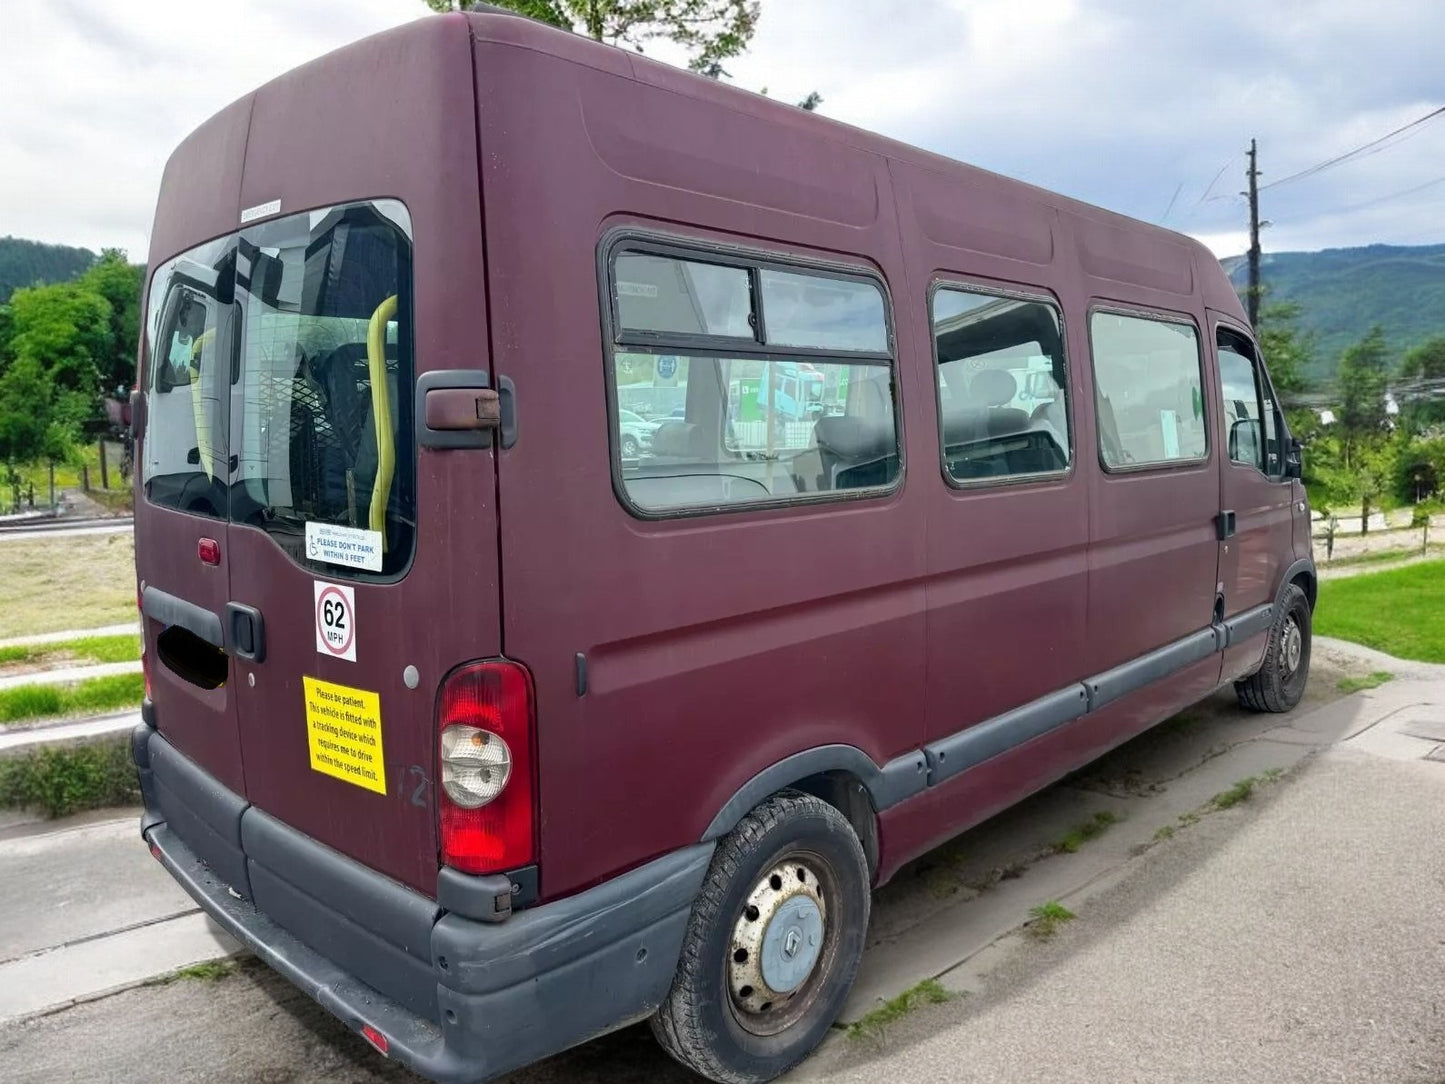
(1141, 106)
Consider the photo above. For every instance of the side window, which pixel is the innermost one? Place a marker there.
(1002, 386)
(739, 383)
(1148, 389)
(1251, 423)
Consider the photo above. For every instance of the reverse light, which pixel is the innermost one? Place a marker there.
(486, 766)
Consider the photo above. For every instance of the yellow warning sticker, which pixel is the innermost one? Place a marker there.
(343, 730)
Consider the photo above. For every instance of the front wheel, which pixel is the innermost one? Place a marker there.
(772, 946)
(1279, 684)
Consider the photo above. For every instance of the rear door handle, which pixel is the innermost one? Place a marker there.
(1224, 524)
(245, 632)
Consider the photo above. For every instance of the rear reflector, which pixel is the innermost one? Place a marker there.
(490, 824)
(209, 551)
(374, 1037)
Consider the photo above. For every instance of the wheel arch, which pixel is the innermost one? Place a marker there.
(1301, 574)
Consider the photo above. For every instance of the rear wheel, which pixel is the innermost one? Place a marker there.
(772, 946)
(1279, 684)
(630, 448)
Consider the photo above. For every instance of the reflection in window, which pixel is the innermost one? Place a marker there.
(1002, 386)
(1148, 389)
(823, 313)
(659, 293)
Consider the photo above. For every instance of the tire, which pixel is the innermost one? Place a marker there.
(716, 1020)
(1279, 684)
(630, 447)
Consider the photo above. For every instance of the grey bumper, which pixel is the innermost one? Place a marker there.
(456, 999)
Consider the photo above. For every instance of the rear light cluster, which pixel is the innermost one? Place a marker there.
(486, 768)
(145, 662)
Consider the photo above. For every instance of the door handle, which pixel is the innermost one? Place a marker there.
(1224, 524)
(245, 632)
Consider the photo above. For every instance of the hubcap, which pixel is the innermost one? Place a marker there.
(1293, 646)
(777, 939)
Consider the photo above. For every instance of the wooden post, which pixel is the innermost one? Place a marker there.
(104, 470)
(1330, 541)
(52, 483)
(85, 477)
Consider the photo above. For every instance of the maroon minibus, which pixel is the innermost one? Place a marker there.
(593, 524)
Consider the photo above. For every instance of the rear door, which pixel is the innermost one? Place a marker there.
(360, 571)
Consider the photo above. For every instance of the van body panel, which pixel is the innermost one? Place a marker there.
(714, 646)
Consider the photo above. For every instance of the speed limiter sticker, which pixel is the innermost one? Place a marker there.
(336, 620)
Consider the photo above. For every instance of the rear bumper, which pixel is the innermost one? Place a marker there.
(456, 999)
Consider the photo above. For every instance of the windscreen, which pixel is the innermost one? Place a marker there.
(309, 350)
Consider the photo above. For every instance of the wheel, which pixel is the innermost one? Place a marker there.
(1279, 683)
(630, 447)
(772, 946)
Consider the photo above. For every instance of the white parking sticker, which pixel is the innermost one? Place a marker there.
(336, 620)
(354, 547)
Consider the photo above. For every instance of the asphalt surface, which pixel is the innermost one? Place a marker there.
(1298, 938)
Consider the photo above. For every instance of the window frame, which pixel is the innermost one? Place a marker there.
(615, 338)
(1262, 384)
(941, 282)
(1162, 316)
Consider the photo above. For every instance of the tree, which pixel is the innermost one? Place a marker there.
(64, 331)
(1422, 374)
(119, 281)
(1364, 377)
(712, 31)
(30, 428)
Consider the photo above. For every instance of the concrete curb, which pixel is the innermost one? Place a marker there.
(20, 739)
(128, 628)
(70, 674)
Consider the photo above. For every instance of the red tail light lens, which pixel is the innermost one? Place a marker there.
(493, 698)
(145, 661)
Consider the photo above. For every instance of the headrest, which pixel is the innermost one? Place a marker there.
(993, 387)
(854, 438)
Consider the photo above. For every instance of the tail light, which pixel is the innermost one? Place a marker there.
(486, 768)
(145, 662)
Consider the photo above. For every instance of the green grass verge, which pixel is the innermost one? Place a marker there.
(80, 582)
(1401, 611)
(79, 652)
(91, 697)
(1376, 557)
(872, 1026)
(1368, 681)
(60, 780)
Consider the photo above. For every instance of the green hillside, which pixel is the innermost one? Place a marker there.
(26, 263)
(1342, 292)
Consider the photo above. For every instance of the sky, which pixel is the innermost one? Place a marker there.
(1142, 106)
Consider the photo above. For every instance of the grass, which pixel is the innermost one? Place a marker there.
(1368, 681)
(1092, 828)
(1240, 792)
(93, 696)
(210, 971)
(877, 1022)
(1048, 918)
(1404, 553)
(48, 585)
(1400, 611)
(79, 652)
(60, 780)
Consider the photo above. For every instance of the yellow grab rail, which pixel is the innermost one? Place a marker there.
(381, 415)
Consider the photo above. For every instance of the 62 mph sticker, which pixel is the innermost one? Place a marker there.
(336, 620)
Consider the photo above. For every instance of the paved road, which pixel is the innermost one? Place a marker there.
(1299, 942)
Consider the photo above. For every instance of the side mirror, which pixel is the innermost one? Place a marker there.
(1244, 442)
(1294, 464)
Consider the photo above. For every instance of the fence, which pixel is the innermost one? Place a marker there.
(1332, 543)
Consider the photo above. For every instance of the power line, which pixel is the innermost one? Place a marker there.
(1352, 207)
(1339, 159)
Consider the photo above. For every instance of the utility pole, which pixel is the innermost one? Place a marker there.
(1252, 300)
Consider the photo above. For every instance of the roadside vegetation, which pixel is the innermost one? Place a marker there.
(58, 780)
(1400, 611)
(94, 696)
(1367, 681)
(83, 651)
(80, 582)
(1047, 919)
(876, 1023)
(1092, 828)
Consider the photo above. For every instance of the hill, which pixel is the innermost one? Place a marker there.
(25, 263)
(1342, 292)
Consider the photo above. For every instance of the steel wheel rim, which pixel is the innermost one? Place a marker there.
(782, 944)
(1293, 646)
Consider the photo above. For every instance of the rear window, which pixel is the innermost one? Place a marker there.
(279, 387)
